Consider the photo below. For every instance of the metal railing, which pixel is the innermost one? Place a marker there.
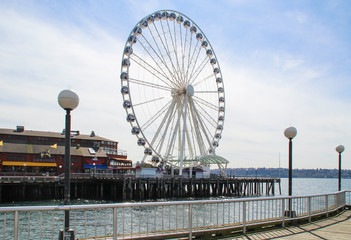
(20, 179)
(164, 219)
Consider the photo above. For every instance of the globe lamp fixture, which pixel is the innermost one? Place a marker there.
(68, 99)
(340, 148)
(290, 132)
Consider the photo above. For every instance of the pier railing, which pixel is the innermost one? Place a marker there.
(149, 220)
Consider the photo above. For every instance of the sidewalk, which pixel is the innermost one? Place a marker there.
(334, 228)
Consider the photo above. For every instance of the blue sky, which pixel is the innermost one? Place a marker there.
(284, 63)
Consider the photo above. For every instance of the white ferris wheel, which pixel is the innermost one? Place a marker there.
(172, 89)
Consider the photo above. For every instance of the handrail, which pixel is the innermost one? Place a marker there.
(171, 218)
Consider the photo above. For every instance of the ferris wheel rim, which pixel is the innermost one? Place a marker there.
(147, 143)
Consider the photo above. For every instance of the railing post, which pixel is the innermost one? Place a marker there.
(336, 200)
(326, 205)
(309, 209)
(190, 223)
(244, 217)
(15, 230)
(283, 212)
(114, 223)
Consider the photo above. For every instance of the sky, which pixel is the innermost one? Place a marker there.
(284, 63)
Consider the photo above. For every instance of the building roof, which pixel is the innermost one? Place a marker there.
(213, 159)
(41, 148)
(51, 134)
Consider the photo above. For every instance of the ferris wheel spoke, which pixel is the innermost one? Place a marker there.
(206, 92)
(203, 80)
(174, 43)
(208, 119)
(190, 146)
(149, 84)
(213, 122)
(207, 130)
(167, 132)
(199, 139)
(153, 100)
(154, 117)
(167, 117)
(197, 136)
(190, 135)
(183, 133)
(152, 71)
(206, 133)
(206, 103)
(192, 65)
(171, 143)
(183, 53)
(197, 72)
(196, 59)
(161, 69)
(173, 80)
(189, 59)
(167, 53)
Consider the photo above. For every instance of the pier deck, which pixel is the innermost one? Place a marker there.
(336, 227)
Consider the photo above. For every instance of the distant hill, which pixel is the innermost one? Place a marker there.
(284, 172)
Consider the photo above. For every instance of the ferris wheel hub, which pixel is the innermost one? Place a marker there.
(190, 90)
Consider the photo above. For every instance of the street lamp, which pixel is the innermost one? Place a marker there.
(68, 100)
(340, 149)
(290, 133)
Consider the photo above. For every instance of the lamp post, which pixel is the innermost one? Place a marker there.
(68, 100)
(340, 149)
(290, 133)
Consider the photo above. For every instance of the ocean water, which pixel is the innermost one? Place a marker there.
(310, 186)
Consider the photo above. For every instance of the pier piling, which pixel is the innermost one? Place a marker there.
(126, 189)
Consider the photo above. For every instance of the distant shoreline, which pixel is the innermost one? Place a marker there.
(283, 172)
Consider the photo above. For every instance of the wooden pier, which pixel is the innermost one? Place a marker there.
(131, 188)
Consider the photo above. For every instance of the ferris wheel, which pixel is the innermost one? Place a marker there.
(172, 89)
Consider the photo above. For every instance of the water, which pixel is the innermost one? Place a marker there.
(309, 186)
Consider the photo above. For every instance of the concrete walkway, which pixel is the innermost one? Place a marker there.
(333, 228)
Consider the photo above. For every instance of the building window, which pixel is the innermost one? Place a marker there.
(16, 158)
(50, 160)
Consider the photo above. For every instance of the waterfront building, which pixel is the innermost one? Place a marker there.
(40, 152)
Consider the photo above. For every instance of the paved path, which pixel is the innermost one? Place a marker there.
(333, 228)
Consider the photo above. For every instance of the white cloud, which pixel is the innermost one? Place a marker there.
(261, 103)
(39, 59)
